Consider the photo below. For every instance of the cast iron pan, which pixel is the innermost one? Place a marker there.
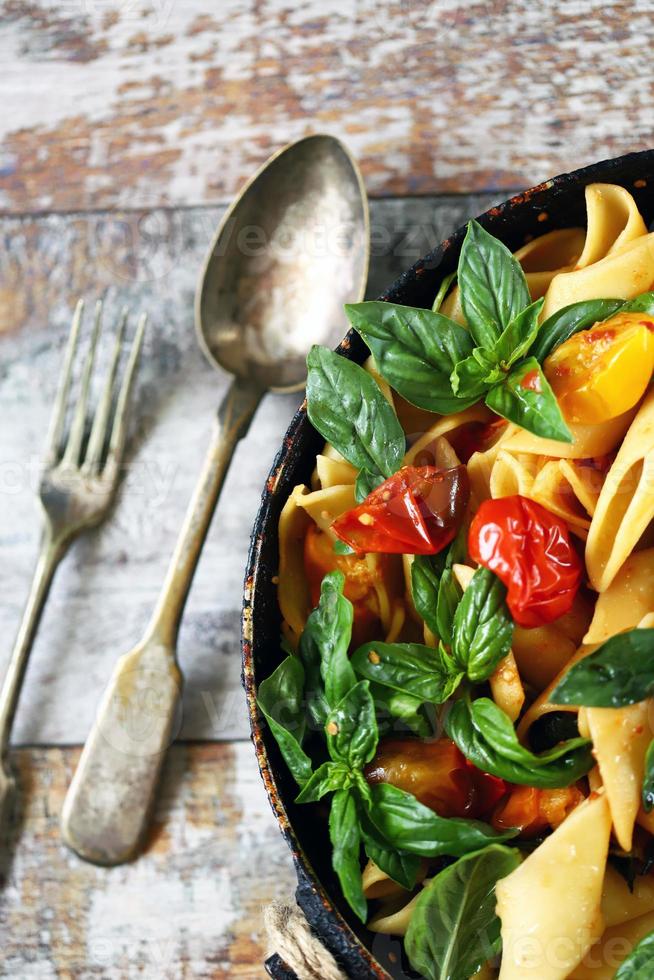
(558, 203)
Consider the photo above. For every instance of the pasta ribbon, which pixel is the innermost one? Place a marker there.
(626, 503)
(547, 925)
(628, 598)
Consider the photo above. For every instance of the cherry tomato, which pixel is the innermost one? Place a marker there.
(600, 373)
(475, 437)
(488, 790)
(529, 549)
(535, 811)
(438, 775)
(360, 573)
(418, 511)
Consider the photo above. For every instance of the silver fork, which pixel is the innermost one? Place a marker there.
(76, 491)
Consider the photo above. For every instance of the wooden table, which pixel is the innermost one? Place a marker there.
(125, 126)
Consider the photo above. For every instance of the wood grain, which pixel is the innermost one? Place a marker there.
(139, 104)
(106, 588)
(190, 907)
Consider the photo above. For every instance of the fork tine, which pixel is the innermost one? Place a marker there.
(58, 419)
(98, 435)
(118, 432)
(76, 435)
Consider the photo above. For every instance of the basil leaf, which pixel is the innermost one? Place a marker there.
(487, 738)
(327, 778)
(638, 965)
(396, 706)
(618, 673)
(648, 779)
(525, 397)
(365, 483)
(345, 836)
(449, 596)
(400, 867)
(352, 727)
(341, 548)
(570, 320)
(347, 407)
(483, 628)
(520, 334)
(412, 827)
(469, 379)
(325, 643)
(454, 927)
(641, 304)
(281, 700)
(492, 285)
(414, 350)
(409, 668)
(426, 572)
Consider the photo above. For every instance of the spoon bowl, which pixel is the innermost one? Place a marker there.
(289, 252)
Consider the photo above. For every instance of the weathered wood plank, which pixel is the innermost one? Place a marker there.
(190, 907)
(105, 589)
(125, 103)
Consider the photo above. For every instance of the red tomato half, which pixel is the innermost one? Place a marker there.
(418, 511)
(437, 774)
(529, 549)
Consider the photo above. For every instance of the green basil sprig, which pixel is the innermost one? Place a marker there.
(482, 628)
(415, 829)
(345, 836)
(435, 590)
(492, 284)
(345, 404)
(281, 700)
(415, 351)
(410, 668)
(638, 965)
(486, 736)
(618, 673)
(433, 362)
(324, 648)
(524, 396)
(454, 928)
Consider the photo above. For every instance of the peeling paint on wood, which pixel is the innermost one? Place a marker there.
(138, 104)
(189, 907)
(105, 590)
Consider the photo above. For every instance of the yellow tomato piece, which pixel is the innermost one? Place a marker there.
(600, 373)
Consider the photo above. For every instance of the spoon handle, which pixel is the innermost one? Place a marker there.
(109, 800)
(234, 416)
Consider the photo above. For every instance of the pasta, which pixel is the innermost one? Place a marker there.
(467, 594)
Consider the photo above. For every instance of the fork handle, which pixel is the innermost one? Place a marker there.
(110, 797)
(234, 416)
(53, 547)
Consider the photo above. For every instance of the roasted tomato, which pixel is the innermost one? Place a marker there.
(361, 573)
(437, 774)
(475, 437)
(529, 549)
(535, 811)
(600, 373)
(418, 511)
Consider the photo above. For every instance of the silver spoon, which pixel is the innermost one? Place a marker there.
(288, 253)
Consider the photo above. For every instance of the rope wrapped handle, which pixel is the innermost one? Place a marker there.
(296, 953)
